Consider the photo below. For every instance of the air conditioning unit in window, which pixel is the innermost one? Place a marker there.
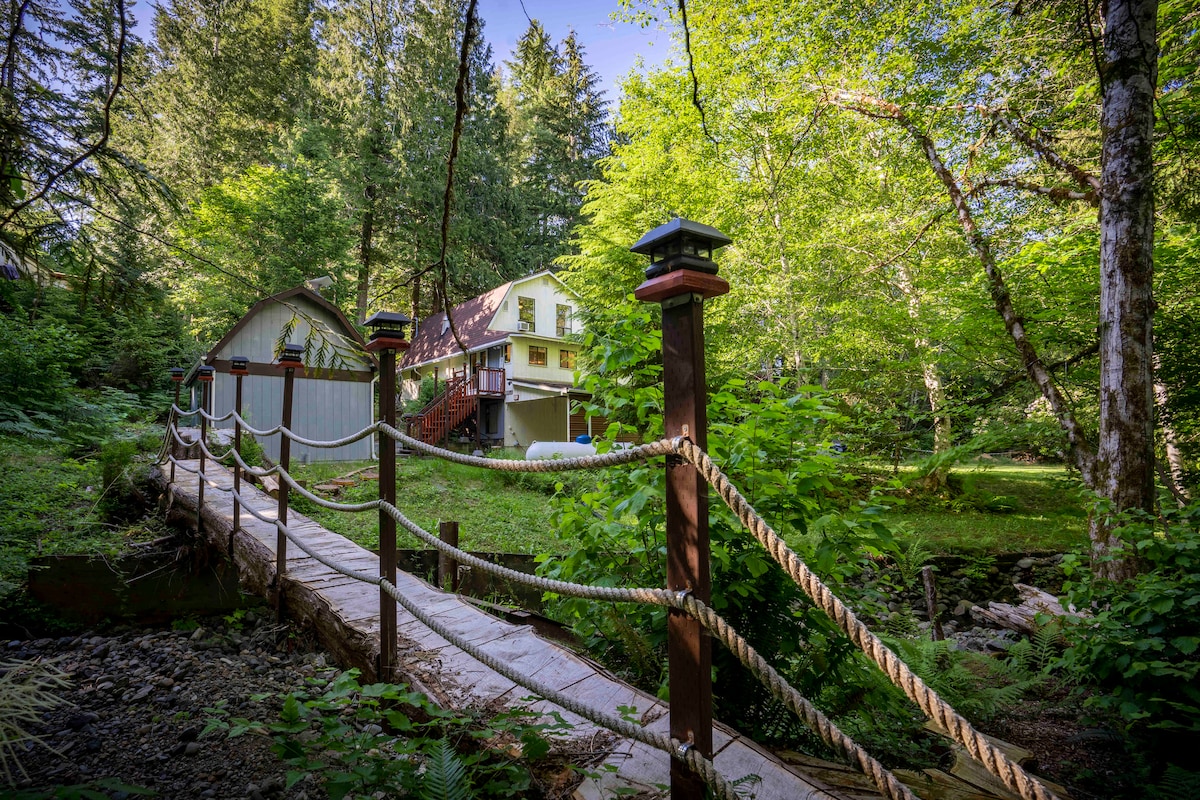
(524, 326)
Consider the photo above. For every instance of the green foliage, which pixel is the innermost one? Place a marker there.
(772, 443)
(359, 740)
(1140, 646)
(261, 232)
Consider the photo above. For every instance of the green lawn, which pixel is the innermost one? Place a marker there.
(1002, 508)
(496, 512)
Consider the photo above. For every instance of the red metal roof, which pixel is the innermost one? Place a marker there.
(471, 320)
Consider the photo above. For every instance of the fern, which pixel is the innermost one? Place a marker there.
(1176, 783)
(445, 774)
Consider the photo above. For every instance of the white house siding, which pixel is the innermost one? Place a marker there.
(520, 368)
(546, 293)
(535, 420)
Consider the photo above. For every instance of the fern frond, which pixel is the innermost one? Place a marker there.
(445, 774)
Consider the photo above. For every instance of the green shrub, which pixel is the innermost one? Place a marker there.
(382, 738)
(1139, 648)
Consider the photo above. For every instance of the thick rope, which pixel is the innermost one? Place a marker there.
(713, 622)
(615, 458)
(689, 756)
(897, 671)
(933, 706)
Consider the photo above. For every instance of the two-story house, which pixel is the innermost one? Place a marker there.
(515, 382)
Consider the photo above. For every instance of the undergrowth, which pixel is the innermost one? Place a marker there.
(359, 741)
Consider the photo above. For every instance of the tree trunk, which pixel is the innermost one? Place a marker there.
(1125, 455)
(364, 254)
(935, 391)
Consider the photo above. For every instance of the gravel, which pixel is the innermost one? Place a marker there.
(136, 709)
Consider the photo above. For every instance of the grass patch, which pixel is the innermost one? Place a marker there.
(1001, 508)
(54, 503)
(496, 512)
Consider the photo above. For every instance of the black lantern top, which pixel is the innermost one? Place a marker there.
(205, 373)
(292, 355)
(680, 244)
(387, 325)
(177, 374)
(239, 365)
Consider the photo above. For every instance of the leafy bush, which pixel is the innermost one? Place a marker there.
(1139, 646)
(772, 441)
(383, 738)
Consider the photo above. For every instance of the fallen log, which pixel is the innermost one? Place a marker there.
(1023, 617)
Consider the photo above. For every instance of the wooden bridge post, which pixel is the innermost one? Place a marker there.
(680, 277)
(205, 377)
(291, 358)
(387, 337)
(173, 417)
(447, 568)
(239, 367)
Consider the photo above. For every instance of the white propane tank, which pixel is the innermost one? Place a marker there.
(543, 450)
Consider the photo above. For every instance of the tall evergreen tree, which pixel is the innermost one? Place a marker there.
(558, 124)
(229, 78)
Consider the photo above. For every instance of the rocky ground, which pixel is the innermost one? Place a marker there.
(137, 706)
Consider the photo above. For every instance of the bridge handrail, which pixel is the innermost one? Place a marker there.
(676, 749)
(930, 703)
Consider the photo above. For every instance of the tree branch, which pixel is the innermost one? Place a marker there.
(687, 46)
(105, 129)
(1014, 378)
(875, 107)
(1056, 193)
(460, 110)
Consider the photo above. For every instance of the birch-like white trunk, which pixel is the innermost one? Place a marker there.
(1125, 452)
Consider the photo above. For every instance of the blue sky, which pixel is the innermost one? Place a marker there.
(611, 47)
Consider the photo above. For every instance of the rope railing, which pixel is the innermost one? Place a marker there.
(936, 709)
(679, 750)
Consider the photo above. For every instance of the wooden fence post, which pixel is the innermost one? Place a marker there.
(205, 377)
(239, 367)
(387, 337)
(680, 278)
(289, 359)
(447, 566)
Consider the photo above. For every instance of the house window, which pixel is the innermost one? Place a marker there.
(508, 354)
(562, 320)
(526, 316)
(566, 359)
(537, 356)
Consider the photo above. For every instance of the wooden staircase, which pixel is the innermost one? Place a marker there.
(456, 404)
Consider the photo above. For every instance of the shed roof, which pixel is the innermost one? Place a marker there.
(289, 297)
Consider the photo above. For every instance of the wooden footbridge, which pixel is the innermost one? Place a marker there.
(392, 625)
(345, 614)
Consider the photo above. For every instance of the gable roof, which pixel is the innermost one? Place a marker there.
(472, 320)
(299, 292)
